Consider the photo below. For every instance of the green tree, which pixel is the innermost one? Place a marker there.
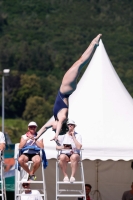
(29, 86)
(37, 109)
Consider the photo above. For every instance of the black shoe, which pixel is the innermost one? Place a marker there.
(32, 177)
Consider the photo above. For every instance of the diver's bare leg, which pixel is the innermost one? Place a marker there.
(69, 80)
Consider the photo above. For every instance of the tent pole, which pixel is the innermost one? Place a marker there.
(97, 180)
(97, 177)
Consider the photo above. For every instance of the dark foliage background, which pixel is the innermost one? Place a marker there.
(41, 39)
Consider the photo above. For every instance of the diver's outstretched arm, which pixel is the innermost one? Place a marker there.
(46, 126)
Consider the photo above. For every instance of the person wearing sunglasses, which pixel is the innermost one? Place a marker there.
(70, 145)
(29, 152)
(30, 194)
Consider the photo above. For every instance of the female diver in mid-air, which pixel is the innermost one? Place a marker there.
(68, 86)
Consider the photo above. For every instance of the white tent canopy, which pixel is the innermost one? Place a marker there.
(103, 111)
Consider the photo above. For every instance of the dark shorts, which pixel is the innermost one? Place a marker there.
(69, 155)
(30, 156)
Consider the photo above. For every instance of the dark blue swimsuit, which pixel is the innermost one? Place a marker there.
(59, 103)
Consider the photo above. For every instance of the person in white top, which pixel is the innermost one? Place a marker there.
(2, 141)
(70, 145)
(31, 194)
(30, 154)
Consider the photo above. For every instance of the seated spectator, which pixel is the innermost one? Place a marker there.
(87, 191)
(71, 143)
(29, 152)
(128, 195)
(27, 190)
(2, 141)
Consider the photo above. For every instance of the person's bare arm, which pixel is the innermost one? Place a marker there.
(2, 146)
(44, 128)
(40, 143)
(60, 147)
(23, 142)
(77, 144)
